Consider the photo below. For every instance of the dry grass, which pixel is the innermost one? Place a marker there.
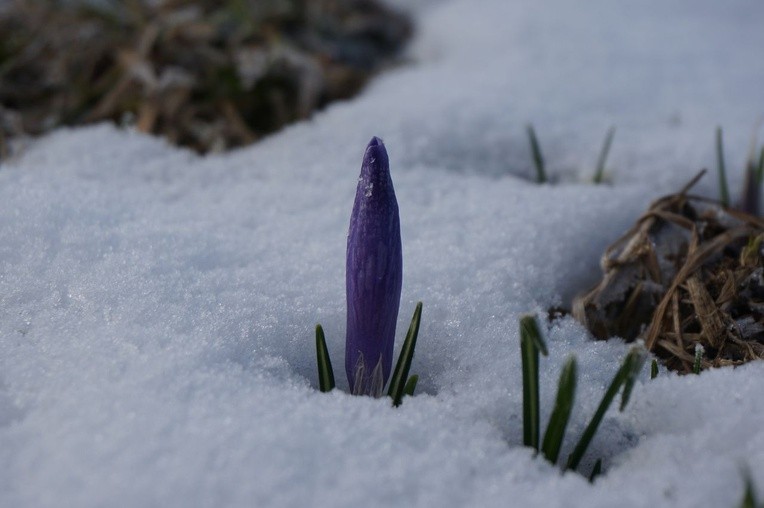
(689, 272)
(205, 74)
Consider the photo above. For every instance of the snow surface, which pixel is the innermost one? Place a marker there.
(157, 308)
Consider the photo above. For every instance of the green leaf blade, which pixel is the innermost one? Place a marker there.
(325, 371)
(600, 171)
(596, 471)
(628, 367)
(538, 159)
(411, 385)
(750, 499)
(530, 345)
(724, 194)
(563, 406)
(530, 329)
(697, 364)
(402, 367)
(635, 360)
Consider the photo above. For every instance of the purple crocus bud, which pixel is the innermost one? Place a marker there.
(373, 276)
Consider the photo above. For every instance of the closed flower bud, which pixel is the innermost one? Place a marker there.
(373, 277)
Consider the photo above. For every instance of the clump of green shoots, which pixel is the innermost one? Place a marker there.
(538, 158)
(531, 345)
(754, 176)
(400, 383)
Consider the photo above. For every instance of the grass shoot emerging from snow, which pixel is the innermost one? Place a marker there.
(401, 383)
(540, 166)
(654, 369)
(538, 159)
(724, 194)
(754, 177)
(699, 350)
(750, 499)
(531, 344)
(325, 370)
(600, 172)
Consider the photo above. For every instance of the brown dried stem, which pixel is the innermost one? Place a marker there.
(690, 271)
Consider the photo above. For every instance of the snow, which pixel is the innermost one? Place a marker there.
(157, 308)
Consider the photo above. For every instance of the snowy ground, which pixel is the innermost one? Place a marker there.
(157, 309)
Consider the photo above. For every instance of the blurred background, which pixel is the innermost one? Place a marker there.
(209, 75)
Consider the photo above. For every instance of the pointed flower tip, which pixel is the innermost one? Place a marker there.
(376, 155)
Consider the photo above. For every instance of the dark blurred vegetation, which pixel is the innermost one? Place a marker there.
(205, 74)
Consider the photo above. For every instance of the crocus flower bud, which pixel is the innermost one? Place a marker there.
(373, 276)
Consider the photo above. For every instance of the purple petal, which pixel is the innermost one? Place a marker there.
(374, 273)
